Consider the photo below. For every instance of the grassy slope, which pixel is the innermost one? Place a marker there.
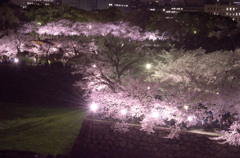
(39, 129)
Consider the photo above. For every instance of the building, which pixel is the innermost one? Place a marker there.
(71, 3)
(123, 5)
(88, 5)
(232, 10)
(194, 2)
(25, 3)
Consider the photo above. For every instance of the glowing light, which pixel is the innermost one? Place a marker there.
(190, 118)
(194, 31)
(123, 111)
(148, 66)
(16, 60)
(186, 107)
(155, 114)
(148, 88)
(94, 66)
(93, 107)
(54, 49)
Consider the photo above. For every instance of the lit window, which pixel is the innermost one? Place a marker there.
(230, 8)
(233, 9)
(164, 10)
(226, 8)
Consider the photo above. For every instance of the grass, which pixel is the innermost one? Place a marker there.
(45, 130)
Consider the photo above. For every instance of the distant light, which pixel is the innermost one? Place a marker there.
(155, 114)
(94, 66)
(186, 107)
(16, 60)
(148, 88)
(190, 118)
(93, 107)
(148, 66)
(123, 111)
(194, 31)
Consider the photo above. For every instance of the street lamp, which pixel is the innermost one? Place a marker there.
(16, 60)
(148, 66)
(123, 111)
(186, 107)
(93, 107)
(190, 118)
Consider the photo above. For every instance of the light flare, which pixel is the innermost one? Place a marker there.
(94, 107)
(123, 111)
(148, 66)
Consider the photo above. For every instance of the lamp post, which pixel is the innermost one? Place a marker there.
(93, 108)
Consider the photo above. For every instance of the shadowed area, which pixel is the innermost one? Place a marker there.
(39, 85)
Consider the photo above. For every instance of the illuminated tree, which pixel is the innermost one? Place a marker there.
(119, 29)
(75, 45)
(113, 60)
(179, 90)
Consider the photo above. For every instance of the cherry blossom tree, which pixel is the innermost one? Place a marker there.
(119, 29)
(113, 60)
(179, 91)
(75, 45)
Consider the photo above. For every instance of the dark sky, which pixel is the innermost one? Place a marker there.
(2, 1)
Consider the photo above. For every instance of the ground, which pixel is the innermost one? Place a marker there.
(40, 110)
